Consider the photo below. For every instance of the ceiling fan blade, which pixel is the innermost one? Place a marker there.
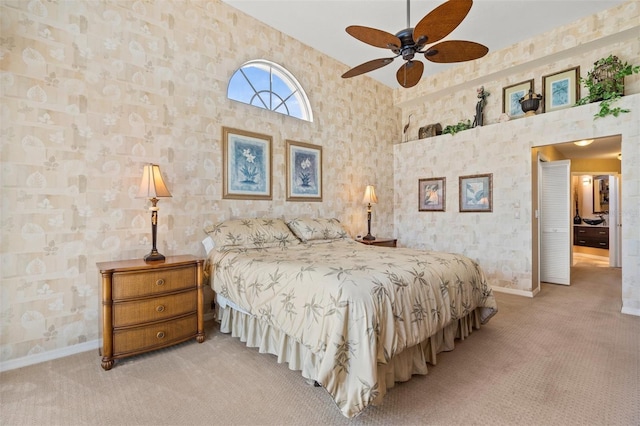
(455, 51)
(409, 74)
(374, 37)
(438, 23)
(367, 66)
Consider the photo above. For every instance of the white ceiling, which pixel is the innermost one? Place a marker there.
(495, 23)
(605, 148)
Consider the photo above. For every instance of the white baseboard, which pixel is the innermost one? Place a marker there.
(630, 311)
(60, 353)
(515, 291)
(49, 355)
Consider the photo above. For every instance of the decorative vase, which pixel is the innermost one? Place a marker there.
(530, 103)
(577, 220)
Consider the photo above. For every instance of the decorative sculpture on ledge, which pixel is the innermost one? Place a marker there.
(482, 95)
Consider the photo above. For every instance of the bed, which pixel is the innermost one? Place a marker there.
(353, 318)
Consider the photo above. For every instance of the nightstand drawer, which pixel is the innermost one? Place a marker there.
(141, 339)
(156, 309)
(135, 284)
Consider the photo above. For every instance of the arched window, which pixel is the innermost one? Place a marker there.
(267, 85)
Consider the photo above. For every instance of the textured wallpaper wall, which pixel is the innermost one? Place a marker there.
(92, 90)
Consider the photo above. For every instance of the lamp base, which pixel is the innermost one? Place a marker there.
(154, 256)
(369, 237)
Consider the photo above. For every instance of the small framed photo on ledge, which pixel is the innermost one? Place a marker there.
(561, 90)
(476, 193)
(432, 194)
(511, 98)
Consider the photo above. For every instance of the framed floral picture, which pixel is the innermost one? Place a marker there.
(511, 98)
(560, 90)
(246, 167)
(476, 193)
(304, 171)
(432, 194)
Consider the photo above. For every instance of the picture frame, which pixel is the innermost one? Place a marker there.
(432, 194)
(304, 171)
(511, 96)
(561, 90)
(476, 193)
(246, 165)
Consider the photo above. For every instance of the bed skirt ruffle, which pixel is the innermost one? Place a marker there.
(400, 368)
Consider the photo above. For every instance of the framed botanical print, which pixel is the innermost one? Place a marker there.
(561, 90)
(511, 98)
(246, 167)
(476, 193)
(432, 194)
(304, 171)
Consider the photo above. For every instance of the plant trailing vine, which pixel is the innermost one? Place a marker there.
(605, 83)
(452, 129)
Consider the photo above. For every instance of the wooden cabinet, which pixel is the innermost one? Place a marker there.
(382, 242)
(591, 236)
(148, 306)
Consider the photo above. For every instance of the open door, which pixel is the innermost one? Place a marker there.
(555, 222)
(615, 224)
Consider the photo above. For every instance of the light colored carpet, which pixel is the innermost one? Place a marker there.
(565, 357)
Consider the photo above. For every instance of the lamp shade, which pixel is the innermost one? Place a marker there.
(370, 195)
(152, 185)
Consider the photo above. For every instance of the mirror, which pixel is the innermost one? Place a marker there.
(601, 194)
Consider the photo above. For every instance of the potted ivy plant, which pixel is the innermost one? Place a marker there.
(605, 83)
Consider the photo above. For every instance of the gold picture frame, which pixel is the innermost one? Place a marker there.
(304, 171)
(246, 165)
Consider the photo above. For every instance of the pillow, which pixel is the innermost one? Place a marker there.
(251, 233)
(308, 229)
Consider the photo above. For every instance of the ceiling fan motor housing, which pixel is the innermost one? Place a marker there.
(408, 47)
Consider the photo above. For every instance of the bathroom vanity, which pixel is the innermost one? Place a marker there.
(591, 236)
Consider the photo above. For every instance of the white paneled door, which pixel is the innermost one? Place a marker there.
(555, 222)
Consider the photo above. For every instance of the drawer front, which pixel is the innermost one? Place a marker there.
(154, 336)
(148, 283)
(155, 309)
(591, 242)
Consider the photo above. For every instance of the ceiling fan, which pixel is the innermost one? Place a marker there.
(436, 25)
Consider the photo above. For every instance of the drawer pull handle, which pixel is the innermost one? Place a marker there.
(601, 232)
(160, 335)
(160, 308)
(603, 244)
(160, 282)
(582, 241)
(580, 231)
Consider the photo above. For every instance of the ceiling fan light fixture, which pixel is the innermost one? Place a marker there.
(584, 142)
(432, 28)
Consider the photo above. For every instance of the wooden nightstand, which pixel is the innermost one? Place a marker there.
(148, 306)
(382, 242)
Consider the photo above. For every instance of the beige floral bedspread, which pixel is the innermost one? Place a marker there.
(354, 305)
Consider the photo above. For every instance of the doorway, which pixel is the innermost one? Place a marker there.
(596, 158)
